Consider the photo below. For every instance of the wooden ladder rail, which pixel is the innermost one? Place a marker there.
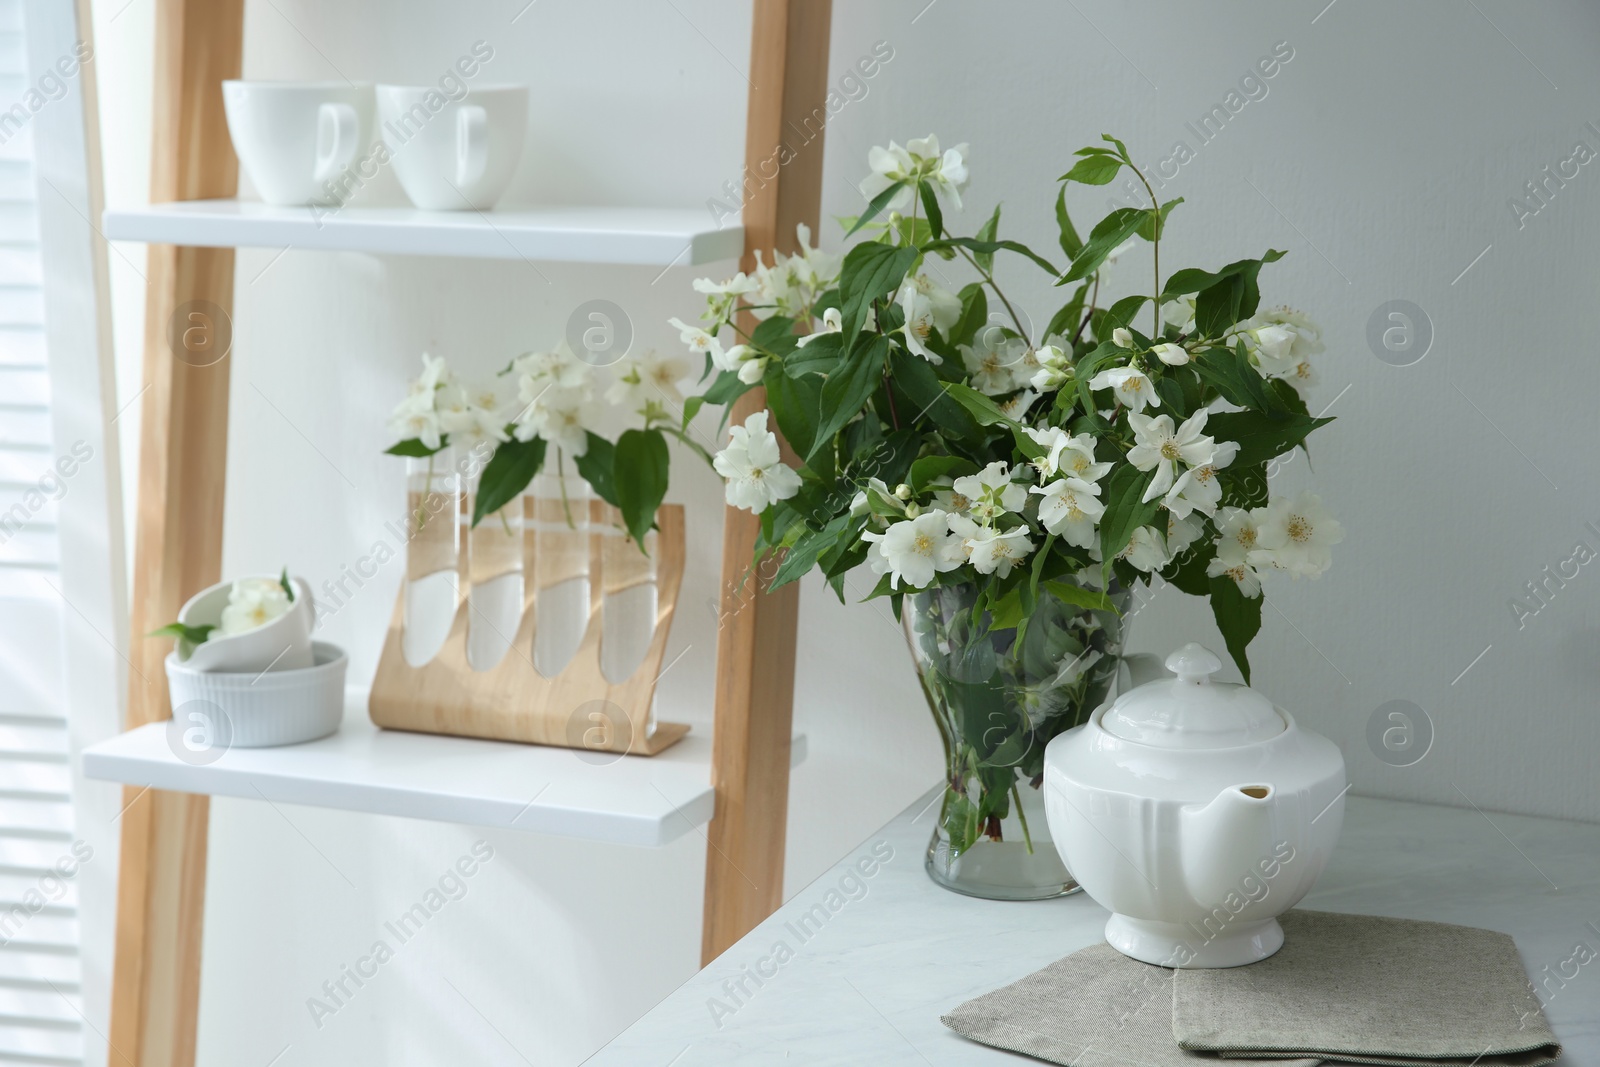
(757, 631)
(178, 547)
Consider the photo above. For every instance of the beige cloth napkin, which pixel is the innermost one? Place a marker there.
(1096, 1008)
(1363, 989)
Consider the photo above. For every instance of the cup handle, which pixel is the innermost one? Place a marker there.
(337, 126)
(472, 145)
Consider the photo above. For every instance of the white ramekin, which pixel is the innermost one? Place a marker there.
(263, 709)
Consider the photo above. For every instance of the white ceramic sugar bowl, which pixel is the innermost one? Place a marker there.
(1197, 812)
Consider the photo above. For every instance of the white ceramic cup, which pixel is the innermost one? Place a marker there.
(453, 154)
(294, 138)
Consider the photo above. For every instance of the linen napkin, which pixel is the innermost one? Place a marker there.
(1363, 989)
(1096, 1008)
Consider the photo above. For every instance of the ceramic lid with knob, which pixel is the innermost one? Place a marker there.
(1191, 711)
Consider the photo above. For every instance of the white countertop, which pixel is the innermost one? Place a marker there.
(867, 984)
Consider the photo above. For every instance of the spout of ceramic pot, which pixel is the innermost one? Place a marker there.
(1223, 842)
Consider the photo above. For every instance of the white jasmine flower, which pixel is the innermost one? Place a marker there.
(920, 321)
(1131, 388)
(1236, 540)
(1054, 440)
(915, 550)
(987, 363)
(1170, 354)
(418, 415)
(648, 377)
(721, 297)
(1016, 405)
(832, 322)
(1179, 313)
(1121, 337)
(1181, 533)
(470, 424)
(1160, 447)
(698, 340)
(1118, 252)
(1077, 459)
(563, 417)
(1070, 508)
(1055, 368)
(753, 467)
(919, 159)
(991, 492)
(1282, 341)
(252, 603)
(1145, 550)
(1198, 488)
(861, 504)
(1296, 535)
(558, 367)
(946, 306)
(991, 551)
(411, 419)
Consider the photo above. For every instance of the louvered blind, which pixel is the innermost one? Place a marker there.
(39, 965)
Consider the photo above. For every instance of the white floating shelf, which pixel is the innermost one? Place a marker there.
(634, 800)
(626, 235)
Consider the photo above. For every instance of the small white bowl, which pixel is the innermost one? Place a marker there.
(284, 644)
(266, 708)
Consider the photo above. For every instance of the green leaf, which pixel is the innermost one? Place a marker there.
(987, 232)
(917, 380)
(847, 390)
(1238, 618)
(795, 402)
(930, 204)
(928, 469)
(980, 407)
(1107, 234)
(506, 475)
(288, 589)
(1152, 227)
(879, 202)
(1125, 511)
(1225, 297)
(1096, 169)
(974, 313)
(1261, 437)
(1070, 242)
(188, 636)
(989, 248)
(1078, 596)
(1193, 279)
(802, 555)
(640, 468)
(726, 389)
(775, 335)
(691, 408)
(1064, 323)
(1229, 372)
(820, 356)
(870, 271)
(597, 466)
(1123, 311)
(414, 448)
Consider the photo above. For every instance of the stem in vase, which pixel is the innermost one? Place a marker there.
(1016, 798)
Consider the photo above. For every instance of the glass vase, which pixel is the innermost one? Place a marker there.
(433, 553)
(998, 697)
(559, 510)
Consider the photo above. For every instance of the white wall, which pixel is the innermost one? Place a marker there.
(1382, 159)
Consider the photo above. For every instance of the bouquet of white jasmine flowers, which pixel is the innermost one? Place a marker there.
(544, 399)
(1013, 484)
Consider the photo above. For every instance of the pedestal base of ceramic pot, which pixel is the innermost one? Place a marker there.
(1000, 870)
(1181, 945)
